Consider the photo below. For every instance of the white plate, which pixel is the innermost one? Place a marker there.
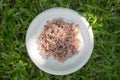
(50, 65)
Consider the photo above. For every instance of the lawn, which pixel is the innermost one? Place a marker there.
(103, 16)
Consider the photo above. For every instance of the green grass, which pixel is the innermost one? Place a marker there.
(104, 17)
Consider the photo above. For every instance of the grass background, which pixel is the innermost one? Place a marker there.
(104, 17)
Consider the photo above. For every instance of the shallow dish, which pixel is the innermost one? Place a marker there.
(51, 65)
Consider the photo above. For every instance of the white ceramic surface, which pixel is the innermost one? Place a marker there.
(50, 65)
